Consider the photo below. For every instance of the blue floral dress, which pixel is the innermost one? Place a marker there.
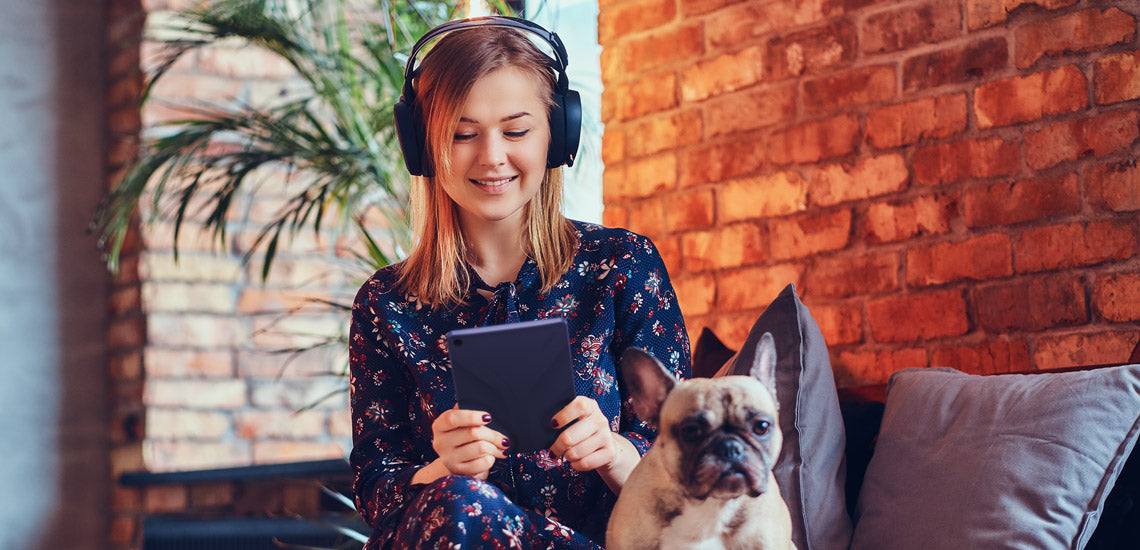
(617, 295)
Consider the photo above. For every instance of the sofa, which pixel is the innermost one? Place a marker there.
(938, 458)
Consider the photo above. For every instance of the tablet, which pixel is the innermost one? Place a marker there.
(520, 373)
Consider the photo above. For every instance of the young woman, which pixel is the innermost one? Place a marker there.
(492, 248)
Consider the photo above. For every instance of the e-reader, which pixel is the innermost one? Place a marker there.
(519, 373)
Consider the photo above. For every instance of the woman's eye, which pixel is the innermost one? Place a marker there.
(464, 137)
(516, 133)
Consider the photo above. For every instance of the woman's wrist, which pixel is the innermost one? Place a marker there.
(430, 472)
(626, 458)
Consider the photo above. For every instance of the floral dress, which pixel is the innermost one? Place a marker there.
(617, 295)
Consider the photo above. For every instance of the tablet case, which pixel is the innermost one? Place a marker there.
(520, 373)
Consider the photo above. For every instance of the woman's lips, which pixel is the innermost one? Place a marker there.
(493, 184)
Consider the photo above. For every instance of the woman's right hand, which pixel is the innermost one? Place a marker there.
(464, 443)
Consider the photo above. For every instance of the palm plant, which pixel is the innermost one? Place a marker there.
(336, 135)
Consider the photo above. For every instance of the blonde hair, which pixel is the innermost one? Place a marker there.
(436, 270)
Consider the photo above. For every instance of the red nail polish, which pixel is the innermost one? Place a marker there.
(486, 418)
(553, 423)
(506, 442)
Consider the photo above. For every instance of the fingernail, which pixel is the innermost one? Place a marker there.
(553, 423)
(486, 418)
(506, 442)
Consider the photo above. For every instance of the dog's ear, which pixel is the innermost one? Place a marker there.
(648, 382)
(764, 362)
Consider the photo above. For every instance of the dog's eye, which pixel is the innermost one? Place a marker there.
(761, 427)
(691, 432)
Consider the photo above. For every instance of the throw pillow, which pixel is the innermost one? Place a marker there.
(1005, 461)
(811, 469)
(709, 354)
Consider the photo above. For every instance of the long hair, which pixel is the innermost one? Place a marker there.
(436, 271)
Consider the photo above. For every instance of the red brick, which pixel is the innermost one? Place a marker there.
(1117, 297)
(662, 47)
(700, 7)
(1082, 31)
(761, 197)
(852, 87)
(918, 316)
(736, 25)
(723, 74)
(923, 215)
(631, 17)
(647, 94)
(1106, 134)
(696, 294)
(615, 216)
(906, 123)
(721, 161)
(173, 423)
(212, 495)
(270, 452)
(992, 357)
(1015, 202)
(808, 234)
(728, 246)
(749, 111)
(125, 531)
(1022, 99)
(840, 324)
(1114, 187)
(296, 330)
(977, 158)
(670, 249)
(689, 210)
(844, 276)
(667, 132)
(279, 424)
(1116, 77)
(1070, 245)
(875, 366)
(815, 140)
(125, 334)
(320, 392)
(1031, 305)
(754, 288)
(166, 499)
(1070, 350)
(810, 51)
(969, 63)
(985, 13)
(613, 146)
(732, 327)
(910, 26)
(862, 179)
(979, 259)
(646, 177)
(648, 215)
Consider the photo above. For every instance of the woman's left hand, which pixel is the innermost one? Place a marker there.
(589, 444)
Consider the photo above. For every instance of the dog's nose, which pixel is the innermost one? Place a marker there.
(730, 449)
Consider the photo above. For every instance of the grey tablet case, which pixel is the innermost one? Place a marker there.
(520, 373)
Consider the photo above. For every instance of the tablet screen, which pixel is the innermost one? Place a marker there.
(520, 373)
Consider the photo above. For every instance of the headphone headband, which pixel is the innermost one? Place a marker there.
(560, 61)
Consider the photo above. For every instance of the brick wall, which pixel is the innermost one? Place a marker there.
(947, 183)
(127, 333)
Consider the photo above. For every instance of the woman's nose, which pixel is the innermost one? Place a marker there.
(493, 152)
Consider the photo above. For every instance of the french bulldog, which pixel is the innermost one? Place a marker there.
(707, 481)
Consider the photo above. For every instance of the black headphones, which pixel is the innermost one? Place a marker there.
(565, 116)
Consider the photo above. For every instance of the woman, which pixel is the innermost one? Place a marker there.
(494, 248)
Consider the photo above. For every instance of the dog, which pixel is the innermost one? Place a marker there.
(707, 481)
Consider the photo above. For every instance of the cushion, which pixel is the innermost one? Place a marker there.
(709, 354)
(1004, 461)
(811, 468)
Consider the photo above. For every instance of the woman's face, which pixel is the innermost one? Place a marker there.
(498, 157)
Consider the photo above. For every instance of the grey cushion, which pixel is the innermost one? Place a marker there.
(1007, 461)
(811, 470)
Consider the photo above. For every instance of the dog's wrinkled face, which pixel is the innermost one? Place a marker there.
(722, 436)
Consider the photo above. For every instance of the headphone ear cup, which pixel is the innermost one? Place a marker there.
(565, 129)
(410, 132)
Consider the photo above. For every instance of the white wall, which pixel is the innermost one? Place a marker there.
(53, 389)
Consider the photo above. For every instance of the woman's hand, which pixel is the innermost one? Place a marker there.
(465, 445)
(588, 444)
